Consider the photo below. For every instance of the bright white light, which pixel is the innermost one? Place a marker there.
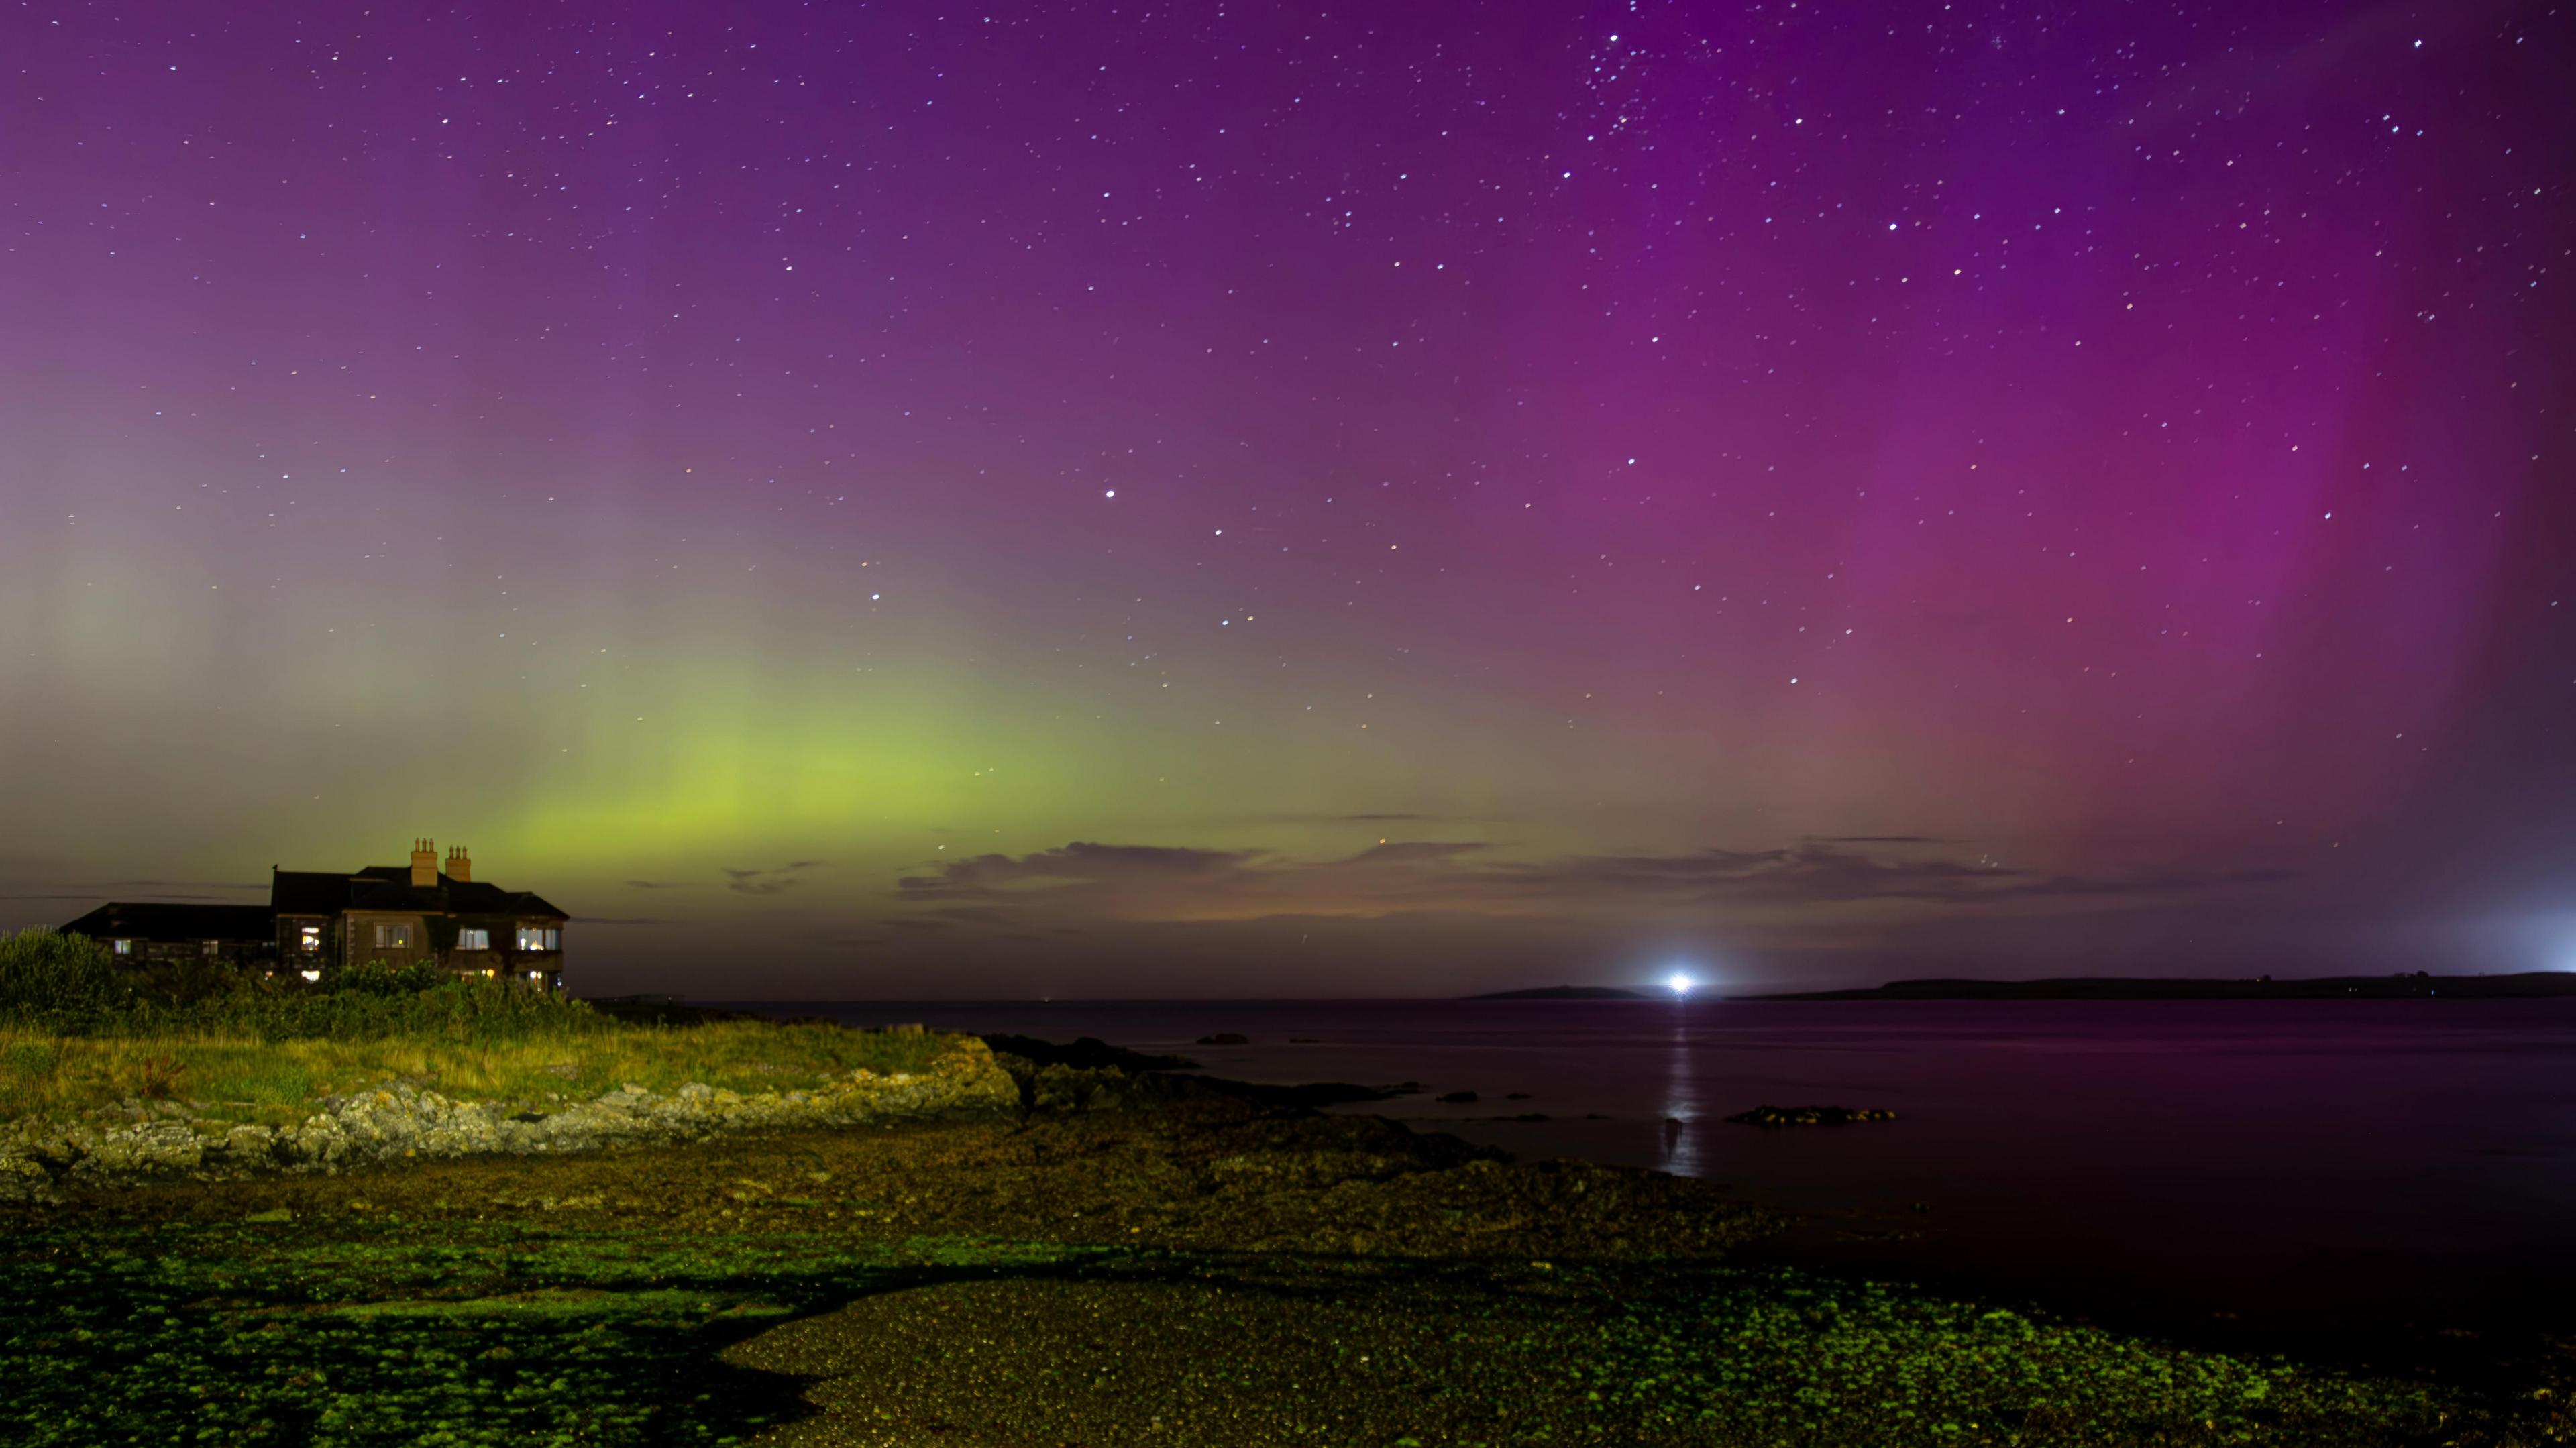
(310, 974)
(1679, 983)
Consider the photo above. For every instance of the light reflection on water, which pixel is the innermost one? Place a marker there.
(1682, 1126)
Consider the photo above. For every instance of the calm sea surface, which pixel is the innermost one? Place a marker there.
(2289, 1167)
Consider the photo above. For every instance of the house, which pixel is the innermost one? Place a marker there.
(318, 921)
(243, 935)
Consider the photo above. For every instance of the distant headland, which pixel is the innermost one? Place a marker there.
(1561, 993)
(2526, 985)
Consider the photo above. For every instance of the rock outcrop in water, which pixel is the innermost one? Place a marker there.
(1809, 1115)
(396, 1121)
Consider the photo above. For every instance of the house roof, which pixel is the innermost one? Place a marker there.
(307, 892)
(389, 887)
(146, 921)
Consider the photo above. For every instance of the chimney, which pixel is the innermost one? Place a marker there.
(459, 867)
(424, 864)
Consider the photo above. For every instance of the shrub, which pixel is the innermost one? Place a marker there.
(384, 1004)
(68, 985)
(59, 982)
(375, 977)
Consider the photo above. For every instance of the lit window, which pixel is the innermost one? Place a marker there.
(393, 937)
(539, 937)
(310, 974)
(474, 940)
(125, 947)
(309, 938)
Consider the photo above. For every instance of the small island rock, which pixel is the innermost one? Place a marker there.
(1810, 1115)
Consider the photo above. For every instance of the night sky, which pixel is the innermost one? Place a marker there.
(1230, 499)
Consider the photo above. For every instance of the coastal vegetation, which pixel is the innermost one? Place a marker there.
(79, 1033)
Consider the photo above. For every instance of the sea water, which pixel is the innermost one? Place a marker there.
(2297, 1165)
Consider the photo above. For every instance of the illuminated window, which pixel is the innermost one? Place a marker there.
(310, 974)
(393, 937)
(474, 940)
(539, 937)
(125, 947)
(309, 939)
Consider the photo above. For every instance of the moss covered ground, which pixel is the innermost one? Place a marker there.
(1205, 1272)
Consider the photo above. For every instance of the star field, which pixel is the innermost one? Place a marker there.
(1257, 499)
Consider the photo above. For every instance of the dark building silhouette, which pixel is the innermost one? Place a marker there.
(318, 921)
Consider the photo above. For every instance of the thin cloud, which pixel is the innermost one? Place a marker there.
(1367, 817)
(1091, 881)
(769, 880)
(195, 887)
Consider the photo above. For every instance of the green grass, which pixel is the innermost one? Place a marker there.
(77, 1034)
(244, 1078)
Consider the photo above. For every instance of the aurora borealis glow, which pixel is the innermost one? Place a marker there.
(1214, 499)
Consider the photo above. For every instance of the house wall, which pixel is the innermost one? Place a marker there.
(350, 938)
(358, 940)
(291, 954)
(548, 963)
(185, 952)
(354, 940)
(495, 954)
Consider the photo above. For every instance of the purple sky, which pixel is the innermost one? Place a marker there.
(1221, 499)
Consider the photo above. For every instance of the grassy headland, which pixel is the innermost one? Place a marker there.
(77, 1035)
(237, 1076)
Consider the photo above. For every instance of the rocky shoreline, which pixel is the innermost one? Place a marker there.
(138, 1142)
(1154, 1260)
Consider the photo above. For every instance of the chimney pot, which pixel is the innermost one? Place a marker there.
(460, 866)
(424, 864)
